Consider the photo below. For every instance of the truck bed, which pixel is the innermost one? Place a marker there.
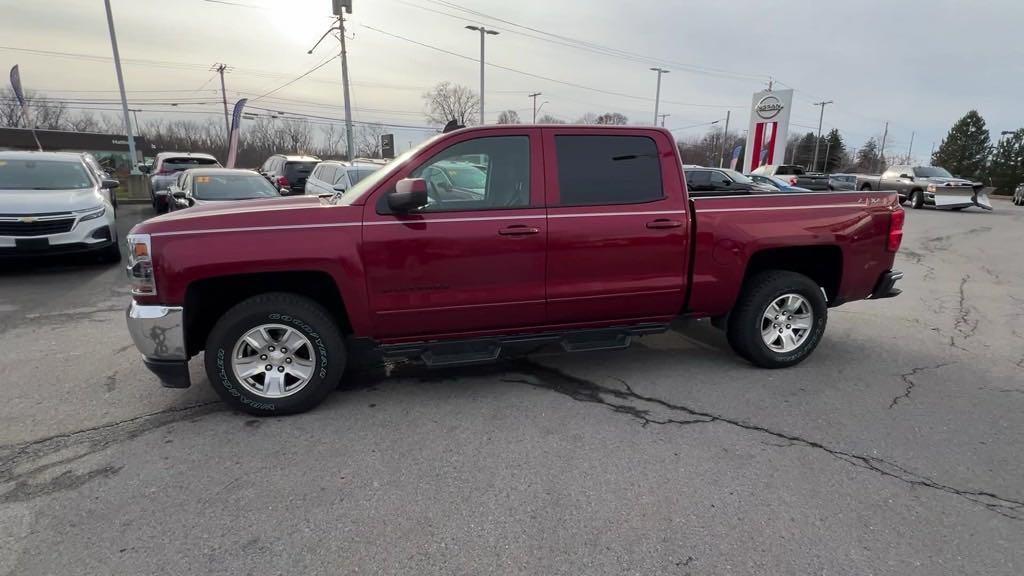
(729, 231)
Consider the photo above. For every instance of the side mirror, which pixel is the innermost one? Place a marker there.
(109, 183)
(409, 194)
(144, 168)
(339, 188)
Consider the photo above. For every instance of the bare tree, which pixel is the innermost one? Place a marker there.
(294, 134)
(612, 118)
(333, 137)
(549, 119)
(43, 113)
(447, 102)
(368, 140)
(83, 122)
(508, 117)
(588, 118)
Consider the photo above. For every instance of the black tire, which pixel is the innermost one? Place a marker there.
(744, 333)
(297, 312)
(917, 199)
(958, 208)
(865, 188)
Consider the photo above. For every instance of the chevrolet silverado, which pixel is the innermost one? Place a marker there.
(580, 236)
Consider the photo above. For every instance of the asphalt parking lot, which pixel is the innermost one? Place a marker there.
(896, 449)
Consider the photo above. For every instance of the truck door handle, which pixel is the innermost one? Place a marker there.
(663, 223)
(518, 230)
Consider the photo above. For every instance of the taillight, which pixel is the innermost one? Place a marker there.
(793, 180)
(282, 181)
(896, 229)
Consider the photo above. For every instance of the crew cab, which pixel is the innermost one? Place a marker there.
(583, 237)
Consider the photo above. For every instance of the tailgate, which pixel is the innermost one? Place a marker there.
(728, 232)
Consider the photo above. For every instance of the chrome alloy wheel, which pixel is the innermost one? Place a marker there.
(786, 323)
(273, 361)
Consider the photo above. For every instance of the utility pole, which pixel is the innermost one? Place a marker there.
(663, 116)
(340, 11)
(534, 97)
(220, 69)
(817, 141)
(881, 152)
(657, 94)
(483, 34)
(910, 149)
(120, 84)
(721, 154)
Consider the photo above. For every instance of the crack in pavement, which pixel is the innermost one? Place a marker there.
(910, 383)
(584, 390)
(45, 454)
(964, 324)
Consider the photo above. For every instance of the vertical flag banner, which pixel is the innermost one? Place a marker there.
(20, 95)
(769, 129)
(735, 157)
(236, 124)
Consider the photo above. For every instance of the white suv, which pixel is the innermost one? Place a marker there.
(52, 202)
(337, 176)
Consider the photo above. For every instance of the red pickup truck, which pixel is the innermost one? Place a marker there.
(489, 242)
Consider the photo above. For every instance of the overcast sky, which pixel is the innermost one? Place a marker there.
(918, 64)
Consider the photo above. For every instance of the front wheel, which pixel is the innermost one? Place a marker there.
(276, 353)
(779, 320)
(916, 199)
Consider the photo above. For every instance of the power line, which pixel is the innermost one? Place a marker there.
(297, 78)
(538, 76)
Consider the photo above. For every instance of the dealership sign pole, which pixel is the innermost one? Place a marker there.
(769, 129)
(20, 95)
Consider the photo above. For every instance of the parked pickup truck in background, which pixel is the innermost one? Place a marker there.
(582, 237)
(795, 175)
(927, 185)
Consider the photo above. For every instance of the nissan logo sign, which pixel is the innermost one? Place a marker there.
(768, 107)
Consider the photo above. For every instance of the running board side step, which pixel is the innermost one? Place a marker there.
(443, 354)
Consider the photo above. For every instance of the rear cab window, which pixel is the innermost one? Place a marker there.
(598, 170)
(177, 164)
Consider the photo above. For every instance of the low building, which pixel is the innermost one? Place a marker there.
(111, 150)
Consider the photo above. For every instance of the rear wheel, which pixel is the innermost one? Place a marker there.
(275, 353)
(916, 199)
(779, 320)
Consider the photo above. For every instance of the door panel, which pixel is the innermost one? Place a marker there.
(462, 265)
(614, 261)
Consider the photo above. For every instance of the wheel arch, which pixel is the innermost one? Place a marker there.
(207, 299)
(821, 263)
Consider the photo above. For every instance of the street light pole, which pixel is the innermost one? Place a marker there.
(483, 34)
(721, 154)
(662, 118)
(120, 84)
(344, 81)
(817, 141)
(534, 97)
(657, 93)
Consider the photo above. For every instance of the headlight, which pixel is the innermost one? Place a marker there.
(92, 213)
(931, 187)
(140, 265)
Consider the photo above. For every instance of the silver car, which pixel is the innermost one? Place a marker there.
(52, 202)
(336, 176)
(200, 186)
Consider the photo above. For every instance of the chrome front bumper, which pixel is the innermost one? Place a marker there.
(158, 332)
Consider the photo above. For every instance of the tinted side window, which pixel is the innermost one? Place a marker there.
(719, 181)
(594, 170)
(698, 180)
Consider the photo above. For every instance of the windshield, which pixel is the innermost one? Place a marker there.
(43, 175)
(931, 172)
(737, 177)
(369, 182)
(231, 187)
(179, 164)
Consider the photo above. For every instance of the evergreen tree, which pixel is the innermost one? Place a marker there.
(1007, 168)
(965, 150)
(836, 148)
(868, 159)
